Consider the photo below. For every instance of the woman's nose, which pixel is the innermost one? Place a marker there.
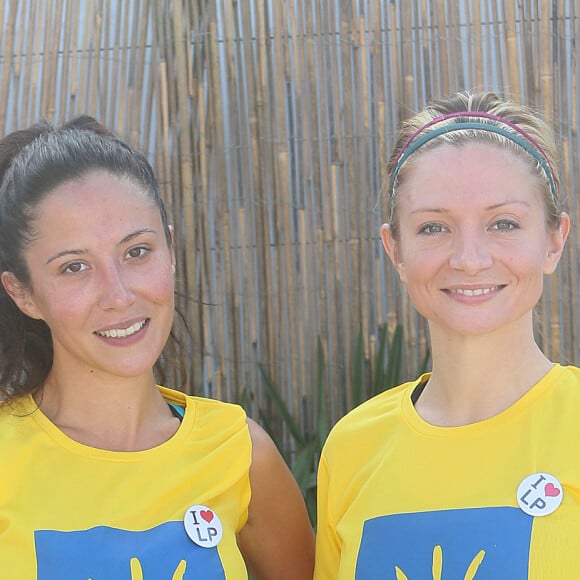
(115, 291)
(470, 252)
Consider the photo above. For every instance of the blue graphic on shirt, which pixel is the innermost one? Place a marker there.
(465, 544)
(102, 553)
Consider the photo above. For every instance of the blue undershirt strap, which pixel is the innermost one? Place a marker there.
(177, 410)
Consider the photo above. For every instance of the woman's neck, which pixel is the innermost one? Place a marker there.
(111, 413)
(477, 377)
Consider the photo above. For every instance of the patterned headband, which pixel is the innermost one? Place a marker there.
(520, 137)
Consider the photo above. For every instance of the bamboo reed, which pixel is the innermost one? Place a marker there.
(475, 29)
(35, 110)
(6, 45)
(27, 63)
(512, 42)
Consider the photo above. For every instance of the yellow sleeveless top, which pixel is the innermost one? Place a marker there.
(72, 512)
(400, 499)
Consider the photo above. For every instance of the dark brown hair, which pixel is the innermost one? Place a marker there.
(33, 162)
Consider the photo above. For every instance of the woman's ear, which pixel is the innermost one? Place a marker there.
(393, 248)
(20, 294)
(556, 243)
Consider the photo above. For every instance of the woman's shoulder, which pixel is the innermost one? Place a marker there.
(569, 372)
(14, 411)
(379, 407)
(375, 417)
(211, 420)
(561, 381)
(202, 404)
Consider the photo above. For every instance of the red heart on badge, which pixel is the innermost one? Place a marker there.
(551, 490)
(207, 515)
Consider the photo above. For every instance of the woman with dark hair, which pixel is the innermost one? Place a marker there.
(105, 473)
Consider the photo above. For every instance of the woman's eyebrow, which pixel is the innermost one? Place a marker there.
(79, 252)
(136, 234)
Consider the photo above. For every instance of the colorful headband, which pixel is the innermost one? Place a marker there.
(521, 138)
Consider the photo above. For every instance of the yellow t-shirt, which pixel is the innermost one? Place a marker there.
(402, 499)
(72, 512)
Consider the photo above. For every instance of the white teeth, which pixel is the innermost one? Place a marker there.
(476, 292)
(122, 332)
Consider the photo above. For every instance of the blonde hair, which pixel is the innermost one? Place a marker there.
(508, 124)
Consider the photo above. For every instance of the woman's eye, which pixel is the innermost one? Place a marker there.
(505, 225)
(137, 252)
(74, 268)
(431, 229)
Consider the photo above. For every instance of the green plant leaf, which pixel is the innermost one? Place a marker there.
(322, 416)
(380, 373)
(358, 367)
(304, 464)
(244, 400)
(281, 406)
(394, 364)
(268, 428)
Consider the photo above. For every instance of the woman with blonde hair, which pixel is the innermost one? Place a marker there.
(471, 470)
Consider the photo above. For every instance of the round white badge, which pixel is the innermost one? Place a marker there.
(540, 494)
(203, 526)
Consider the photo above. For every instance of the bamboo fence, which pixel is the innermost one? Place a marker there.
(268, 123)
